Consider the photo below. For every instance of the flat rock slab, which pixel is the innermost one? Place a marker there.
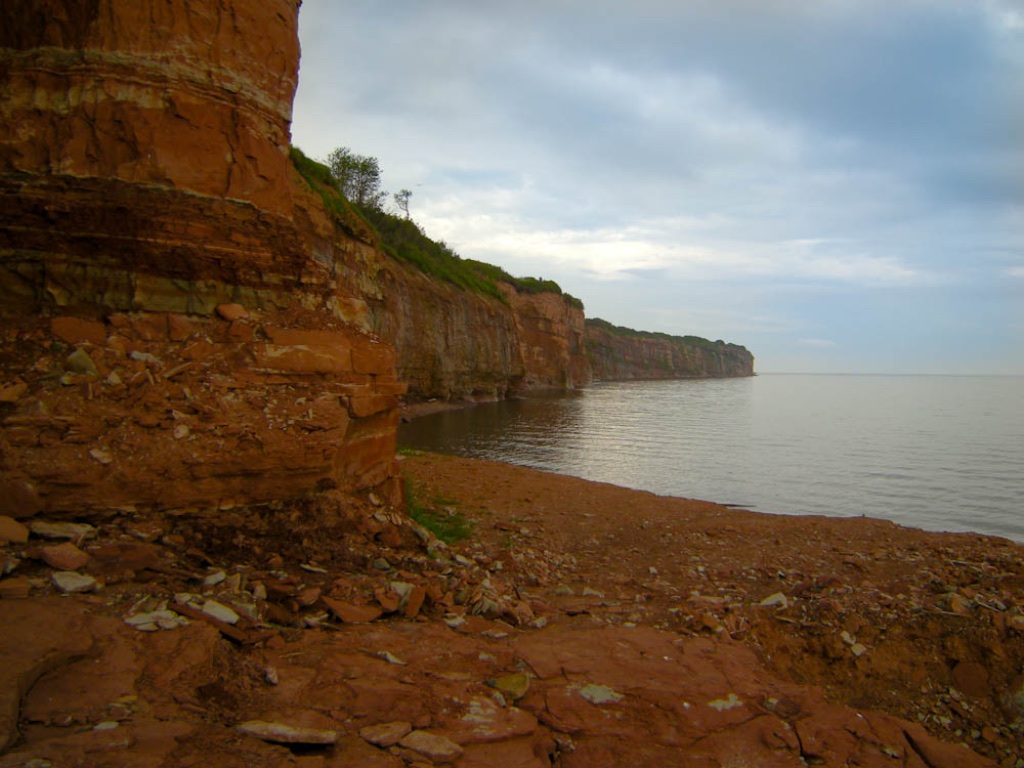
(385, 734)
(280, 733)
(434, 746)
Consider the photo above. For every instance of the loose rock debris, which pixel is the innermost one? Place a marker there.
(291, 635)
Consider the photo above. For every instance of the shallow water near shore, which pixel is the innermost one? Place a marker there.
(943, 453)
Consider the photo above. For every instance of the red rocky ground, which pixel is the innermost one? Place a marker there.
(578, 624)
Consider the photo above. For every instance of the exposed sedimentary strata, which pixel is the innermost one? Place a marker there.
(145, 182)
(618, 354)
(453, 344)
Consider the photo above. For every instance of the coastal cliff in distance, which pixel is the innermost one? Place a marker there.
(194, 315)
(622, 354)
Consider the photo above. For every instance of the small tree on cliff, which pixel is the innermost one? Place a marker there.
(358, 177)
(402, 201)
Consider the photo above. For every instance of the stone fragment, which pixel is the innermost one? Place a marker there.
(390, 658)
(858, 649)
(214, 578)
(414, 602)
(16, 588)
(65, 556)
(154, 620)
(729, 702)
(146, 357)
(13, 531)
(388, 600)
(220, 612)
(776, 600)
(271, 676)
(101, 455)
(385, 734)
(351, 614)
(279, 733)
(431, 745)
(72, 582)
(232, 312)
(308, 596)
(72, 531)
(80, 362)
(514, 686)
(599, 694)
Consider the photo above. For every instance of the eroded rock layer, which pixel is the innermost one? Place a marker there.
(145, 182)
(618, 354)
(454, 345)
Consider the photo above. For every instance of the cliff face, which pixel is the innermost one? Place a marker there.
(171, 339)
(551, 339)
(618, 354)
(190, 94)
(453, 344)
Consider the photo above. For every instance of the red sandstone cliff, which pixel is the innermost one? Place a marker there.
(145, 183)
(451, 342)
(618, 354)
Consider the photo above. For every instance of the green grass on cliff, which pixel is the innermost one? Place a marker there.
(402, 239)
(318, 177)
(618, 330)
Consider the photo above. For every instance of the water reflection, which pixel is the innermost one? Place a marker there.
(942, 453)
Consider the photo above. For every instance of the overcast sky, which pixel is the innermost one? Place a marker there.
(836, 184)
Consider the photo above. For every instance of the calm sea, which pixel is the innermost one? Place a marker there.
(943, 453)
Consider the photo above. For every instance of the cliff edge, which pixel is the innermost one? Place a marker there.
(618, 354)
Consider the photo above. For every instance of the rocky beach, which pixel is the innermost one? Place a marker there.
(211, 553)
(575, 624)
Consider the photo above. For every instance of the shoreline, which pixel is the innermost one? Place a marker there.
(567, 623)
(876, 614)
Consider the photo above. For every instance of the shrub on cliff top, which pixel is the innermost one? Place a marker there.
(350, 190)
(618, 330)
(320, 179)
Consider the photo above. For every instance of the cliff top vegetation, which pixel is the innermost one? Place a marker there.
(618, 330)
(351, 192)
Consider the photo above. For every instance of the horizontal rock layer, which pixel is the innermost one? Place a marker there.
(144, 182)
(189, 94)
(453, 344)
(617, 355)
